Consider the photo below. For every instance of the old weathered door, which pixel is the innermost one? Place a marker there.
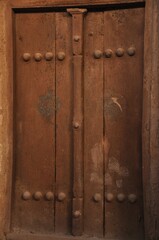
(77, 124)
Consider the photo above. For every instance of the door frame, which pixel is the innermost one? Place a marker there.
(150, 126)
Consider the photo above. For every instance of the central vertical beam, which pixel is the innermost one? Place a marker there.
(77, 50)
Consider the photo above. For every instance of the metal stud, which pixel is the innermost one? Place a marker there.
(120, 197)
(49, 56)
(108, 53)
(120, 52)
(97, 197)
(61, 56)
(132, 198)
(26, 57)
(76, 38)
(97, 54)
(109, 197)
(77, 214)
(38, 57)
(61, 196)
(90, 34)
(131, 51)
(37, 196)
(76, 125)
(49, 196)
(26, 195)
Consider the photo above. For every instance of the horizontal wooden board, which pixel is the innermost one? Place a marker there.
(53, 3)
(25, 236)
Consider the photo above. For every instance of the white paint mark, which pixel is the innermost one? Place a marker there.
(94, 177)
(97, 156)
(119, 183)
(97, 159)
(124, 172)
(115, 100)
(115, 167)
(108, 179)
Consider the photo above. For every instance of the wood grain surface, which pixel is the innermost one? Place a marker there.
(77, 123)
(34, 122)
(56, 3)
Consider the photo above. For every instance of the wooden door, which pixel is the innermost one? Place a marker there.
(77, 124)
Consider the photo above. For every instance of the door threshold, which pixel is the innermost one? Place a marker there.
(32, 236)
(29, 236)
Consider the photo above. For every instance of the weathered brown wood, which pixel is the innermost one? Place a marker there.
(78, 217)
(123, 113)
(77, 51)
(6, 115)
(78, 131)
(52, 3)
(64, 98)
(151, 121)
(93, 125)
(77, 30)
(34, 122)
(29, 236)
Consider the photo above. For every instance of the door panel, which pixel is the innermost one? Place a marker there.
(64, 109)
(77, 124)
(34, 126)
(122, 116)
(93, 125)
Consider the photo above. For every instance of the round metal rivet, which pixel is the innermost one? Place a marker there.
(38, 57)
(109, 197)
(61, 56)
(76, 125)
(97, 197)
(108, 53)
(49, 196)
(131, 51)
(49, 56)
(132, 198)
(121, 197)
(90, 34)
(61, 196)
(26, 57)
(97, 54)
(38, 196)
(77, 214)
(26, 195)
(76, 38)
(120, 52)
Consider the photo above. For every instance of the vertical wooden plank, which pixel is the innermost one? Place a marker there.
(34, 123)
(6, 115)
(77, 52)
(123, 74)
(93, 125)
(64, 99)
(150, 136)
